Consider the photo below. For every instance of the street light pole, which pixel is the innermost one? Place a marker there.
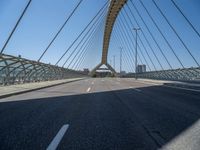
(136, 53)
(114, 61)
(120, 60)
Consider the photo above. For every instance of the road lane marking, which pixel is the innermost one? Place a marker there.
(182, 88)
(138, 90)
(149, 83)
(88, 90)
(161, 84)
(92, 82)
(54, 143)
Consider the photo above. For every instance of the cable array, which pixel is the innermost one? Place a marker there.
(150, 50)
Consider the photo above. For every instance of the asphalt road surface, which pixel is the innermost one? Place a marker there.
(102, 114)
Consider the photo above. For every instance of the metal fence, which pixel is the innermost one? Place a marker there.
(15, 70)
(186, 74)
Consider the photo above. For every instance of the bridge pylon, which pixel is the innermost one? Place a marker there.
(92, 72)
(113, 11)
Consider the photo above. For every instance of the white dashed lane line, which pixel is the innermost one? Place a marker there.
(182, 88)
(138, 90)
(88, 90)
(55, 142)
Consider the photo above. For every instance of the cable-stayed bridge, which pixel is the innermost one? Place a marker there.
(116, 21)
(57, 98)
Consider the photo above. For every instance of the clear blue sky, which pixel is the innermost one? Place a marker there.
(191, 9)
(44, 17)
(41, 22)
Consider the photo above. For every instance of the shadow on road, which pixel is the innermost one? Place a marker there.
(146, 118)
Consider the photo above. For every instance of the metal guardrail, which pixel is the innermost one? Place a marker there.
(185, 74)
(16, 70)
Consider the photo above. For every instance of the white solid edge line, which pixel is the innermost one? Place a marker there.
(54, 143)
(88, 90)
(149, 83)
(182, 88)
(138, 90)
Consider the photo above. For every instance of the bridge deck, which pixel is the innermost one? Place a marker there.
(6, 91)
(107, 113)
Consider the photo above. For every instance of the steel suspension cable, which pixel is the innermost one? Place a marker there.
(81, 55)
(93, 44)
(119, 38)
(15, 27)
(176, 33)
(140, 50)
(154, 39)
(99, 12)
(84, 37)
(82, 47)
(128, 26)
(86, 50)
(83, 52)
(125, 59)
(128, 47)
(127, 38)
(89, 36)
(189, 22)
(146, 39)
(127, 43)
(154, 22)
(128, 62)
(81, 58)
(61, 28)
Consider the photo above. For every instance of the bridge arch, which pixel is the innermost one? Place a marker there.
(114, 9)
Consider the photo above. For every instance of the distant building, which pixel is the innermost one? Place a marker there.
(122, 72)
(86, 70)
(141, 68)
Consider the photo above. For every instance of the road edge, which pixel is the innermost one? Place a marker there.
(39, 88)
